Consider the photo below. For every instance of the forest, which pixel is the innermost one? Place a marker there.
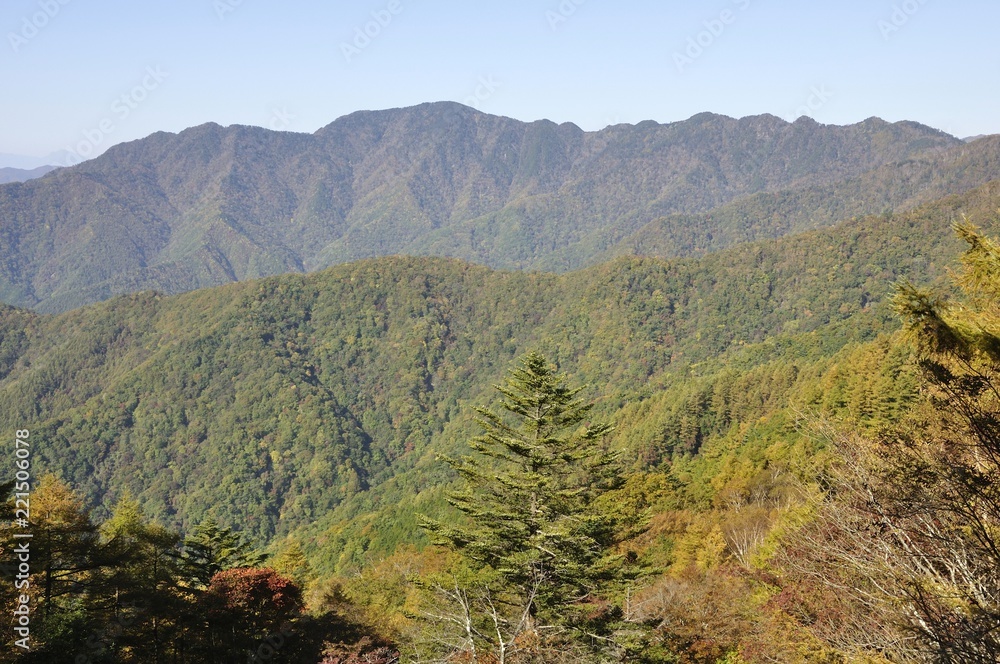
(739, 419)
(213, 205)
(325, 468)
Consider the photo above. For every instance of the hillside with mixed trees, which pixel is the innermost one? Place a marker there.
(213, 205)
(895, 187)
(274, 400)
(316, 415)
(747, 414)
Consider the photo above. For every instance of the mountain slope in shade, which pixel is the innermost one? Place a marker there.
(895, 187)
(213, 205)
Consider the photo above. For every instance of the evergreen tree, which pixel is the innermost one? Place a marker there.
(944, 471)
(213, 549)
(291, 561)
(66, 566)
(529, 494)
(65, 541)
(140, 591)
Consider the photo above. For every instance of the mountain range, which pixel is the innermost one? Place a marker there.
(290, 333)
(214, 205)
(25, 162)
(8, 175)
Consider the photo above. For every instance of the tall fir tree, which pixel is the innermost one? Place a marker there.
(530, 491)
(141, 595)
(213, 549)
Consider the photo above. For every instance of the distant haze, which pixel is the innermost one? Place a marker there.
(23, 175)
(24, 162)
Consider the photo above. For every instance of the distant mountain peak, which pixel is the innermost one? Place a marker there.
(8, 175)
(24, 162)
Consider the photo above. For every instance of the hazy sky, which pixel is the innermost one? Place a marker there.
(84, 74)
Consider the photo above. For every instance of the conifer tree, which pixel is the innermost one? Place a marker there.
(213, 549)
(65, 545)
(140, 586)
(66, 566)
(529, 494)
(292, 562)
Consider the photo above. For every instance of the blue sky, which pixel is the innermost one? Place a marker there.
(85, 74)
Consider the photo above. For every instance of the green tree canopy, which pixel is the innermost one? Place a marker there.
(529, 493)
(213, 549)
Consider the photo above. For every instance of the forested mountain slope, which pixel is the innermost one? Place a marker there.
(213, 205)
(275, 403)
(895, 187)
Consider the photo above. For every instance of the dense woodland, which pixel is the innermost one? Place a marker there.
(858, 524)
(213, 205)
(779, 451)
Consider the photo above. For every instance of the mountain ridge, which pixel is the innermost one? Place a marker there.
(8, 175)
(211, 205)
